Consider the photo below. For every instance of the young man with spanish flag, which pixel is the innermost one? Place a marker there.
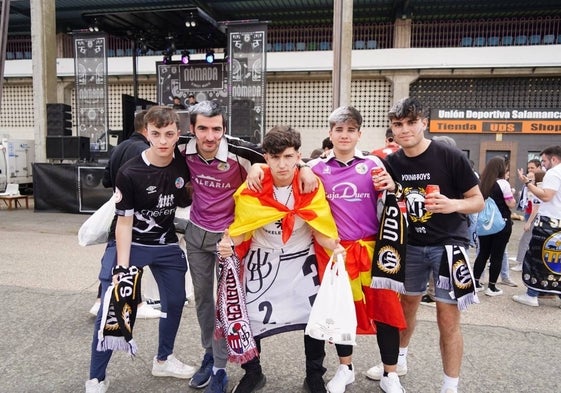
(275, 230)
(347, 175)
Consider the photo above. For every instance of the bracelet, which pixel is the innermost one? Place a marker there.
(300, 166)
(119, 269)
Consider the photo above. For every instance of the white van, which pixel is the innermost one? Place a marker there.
(16, 163)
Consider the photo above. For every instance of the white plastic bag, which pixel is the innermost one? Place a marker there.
(95, 230)
(333, 315)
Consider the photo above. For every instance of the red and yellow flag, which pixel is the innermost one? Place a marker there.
(256, 209)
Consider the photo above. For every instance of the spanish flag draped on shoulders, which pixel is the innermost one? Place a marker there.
(256, 209)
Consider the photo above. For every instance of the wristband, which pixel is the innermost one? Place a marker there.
(119, 269)
(300, 166)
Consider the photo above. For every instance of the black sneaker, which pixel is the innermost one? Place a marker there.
(204, 373)
(314, 384)
(426, 300)
(250, 382)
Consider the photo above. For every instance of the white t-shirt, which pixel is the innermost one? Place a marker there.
(552, 181)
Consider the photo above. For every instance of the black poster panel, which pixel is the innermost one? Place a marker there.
(205, 81)
(246, 79)
(90, 63)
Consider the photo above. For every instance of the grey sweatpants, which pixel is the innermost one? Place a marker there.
(203, 264)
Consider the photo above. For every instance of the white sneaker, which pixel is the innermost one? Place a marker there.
(496, 292)
(517, 268)
(342, 378)
(375, 373)
(391, 384)
(95, 308)
(172, 367)
(527, 300)
(144, 311)
(94, 386)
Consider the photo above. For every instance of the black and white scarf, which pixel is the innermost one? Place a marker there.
(455, 275)
(388, 263)
(120, 303)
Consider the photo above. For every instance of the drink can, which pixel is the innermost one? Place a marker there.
(432, 188)
(375, 172)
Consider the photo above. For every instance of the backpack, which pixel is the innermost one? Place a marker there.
(490, 219)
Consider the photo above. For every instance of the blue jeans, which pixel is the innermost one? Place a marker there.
(168, 265)
(422, 261)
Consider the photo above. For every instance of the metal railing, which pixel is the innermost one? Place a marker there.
(424, 34)
(486, 32)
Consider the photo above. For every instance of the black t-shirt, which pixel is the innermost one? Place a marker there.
(499, 198)
(151, 194)
(447, 167)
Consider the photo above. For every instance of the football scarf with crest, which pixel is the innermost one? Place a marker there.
(388, 264)
(232, 321)
(455, 275)
(120, 303)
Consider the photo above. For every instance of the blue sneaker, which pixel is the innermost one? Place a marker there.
(218, 382)
(203, 374)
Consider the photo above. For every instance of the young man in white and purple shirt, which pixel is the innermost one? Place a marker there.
(349, 185)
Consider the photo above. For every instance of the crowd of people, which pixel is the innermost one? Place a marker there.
(283, 215)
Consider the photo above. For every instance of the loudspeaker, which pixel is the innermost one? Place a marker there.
(59, 120)
(68, 148)
(243, 123)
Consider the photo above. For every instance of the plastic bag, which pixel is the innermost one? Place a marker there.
(333, 315)
(95, 230)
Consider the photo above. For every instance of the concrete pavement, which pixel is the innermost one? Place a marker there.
(48, 283)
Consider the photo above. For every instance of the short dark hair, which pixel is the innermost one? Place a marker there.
(139, 120)
(206, 109)
(161, 116)
(408, 107)
(279, 138)
(552, 151)
(536, 162)
(326, 144)
(389, 133)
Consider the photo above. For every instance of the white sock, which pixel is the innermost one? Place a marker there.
(215, 369)
(402, 358)
(449, 382)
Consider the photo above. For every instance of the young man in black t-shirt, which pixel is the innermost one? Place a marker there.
(437, 221)
(148, 189)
